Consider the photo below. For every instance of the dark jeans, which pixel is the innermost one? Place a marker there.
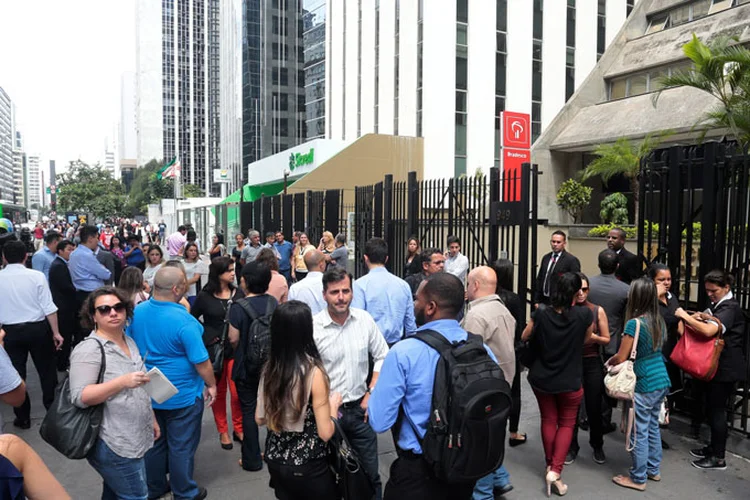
(311, 480)
(717, 399)
(80, 332)
(247, 392)
(67, 326)
(174, 452)
(515, 394)
(593, 389)
(35, 339)
(364, 441)
(124, 478)
(410, 479)
(287, 273)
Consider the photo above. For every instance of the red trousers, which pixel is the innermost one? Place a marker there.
(220, 406)
(558, 415)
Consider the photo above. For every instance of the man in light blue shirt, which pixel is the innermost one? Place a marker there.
(284, 248)
(405, 384)
(386, 297)
(85, 270)
(44, 257)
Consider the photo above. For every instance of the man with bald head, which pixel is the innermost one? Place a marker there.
(310, 289)
(488, 317)
(171, 340)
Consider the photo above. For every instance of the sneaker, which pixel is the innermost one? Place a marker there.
(599, 456)
(202, 493)
(500, 491)
(699, 452)
(710, 463)
(664, 445)
(571, 457)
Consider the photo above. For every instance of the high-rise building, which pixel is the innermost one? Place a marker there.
(127, 144)
(230, 95)
(314, 43)
(445, 70)
(33, 180)
(7, 184)
(177, 86)
(273, 77)
(19, 169)
(109, 160)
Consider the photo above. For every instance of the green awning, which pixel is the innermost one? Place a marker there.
(253, 193)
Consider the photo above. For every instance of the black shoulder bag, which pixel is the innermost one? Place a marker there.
(71, 430)
(526, 350)
(217, 350)
(351, 479)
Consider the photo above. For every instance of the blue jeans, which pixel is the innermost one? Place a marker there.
(646, 454)
(485, 486)
(174, 452)
(124, 478)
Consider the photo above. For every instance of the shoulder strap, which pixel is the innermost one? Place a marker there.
(635, 339)
(103, 364)
(249, 309)
(434, 340)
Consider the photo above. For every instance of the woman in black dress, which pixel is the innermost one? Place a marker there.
(239, 238)
(413, 264)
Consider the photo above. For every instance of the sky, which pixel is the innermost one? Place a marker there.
(61, 64)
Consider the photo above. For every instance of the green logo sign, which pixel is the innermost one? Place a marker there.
(299, 160)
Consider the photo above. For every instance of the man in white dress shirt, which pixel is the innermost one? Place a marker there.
(456, 263)
(29, 317)
(310, 289)
(344, 337)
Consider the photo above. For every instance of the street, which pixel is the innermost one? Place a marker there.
(217, 469)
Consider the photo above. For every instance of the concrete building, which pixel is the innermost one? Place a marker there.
(19, 169)
(127, 127)
(616, 100)
(230, 96)
(177, 86)
(110, 165)
(314, 14)
(127, 172)
(7, 184)
(33, 180)
(445, 70)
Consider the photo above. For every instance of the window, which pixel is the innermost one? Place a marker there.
(462, 11)
(570, 73)
(460, 101)
(502, 15)
(719, 5)
(570, 31)
(538, 22)
(460, 166)
(461, 134)
(461, 34)
(641, 83)
(657, 23)
(618, 88)
(462, 68)
(629, 7)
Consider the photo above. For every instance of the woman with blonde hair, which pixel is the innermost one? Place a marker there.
(327, 243)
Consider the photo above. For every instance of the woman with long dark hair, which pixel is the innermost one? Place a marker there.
(295, 403)
(154, 262)
(117, 248)
(217, 246)
(504, 271)
(210, 307)
(413, 263)
(195, 268)
(652, 384)
(719, 390)
(557, 335)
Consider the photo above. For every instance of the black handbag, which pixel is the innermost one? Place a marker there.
(351, 479)
(217, 350)
(71, 430)
(526, 350)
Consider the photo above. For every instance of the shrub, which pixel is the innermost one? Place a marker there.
(573, 197)
(614, 209)
(602, 230)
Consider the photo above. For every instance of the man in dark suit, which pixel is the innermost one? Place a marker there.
(554, 264)
(630, 266)
(64, 297)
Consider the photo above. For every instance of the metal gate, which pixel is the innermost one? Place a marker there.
(492, 217)
(694, 215)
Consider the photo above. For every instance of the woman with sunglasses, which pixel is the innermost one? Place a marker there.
(128, 427)
(593, 377)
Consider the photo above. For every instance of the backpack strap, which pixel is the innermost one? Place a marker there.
(434, 340)
(248, 308)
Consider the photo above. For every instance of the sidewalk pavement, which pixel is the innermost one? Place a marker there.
(217, 469)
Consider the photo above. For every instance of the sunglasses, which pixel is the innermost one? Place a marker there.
(585, 289)
(119, 307)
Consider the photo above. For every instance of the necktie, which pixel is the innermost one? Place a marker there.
(547, 278)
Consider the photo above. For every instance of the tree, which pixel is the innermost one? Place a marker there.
(90, 189)
(573, 197)
(721, 69)
(146, 188)
(614, 209)
(622, 158)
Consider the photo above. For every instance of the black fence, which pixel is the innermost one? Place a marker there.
(492, 217)
(695, 216)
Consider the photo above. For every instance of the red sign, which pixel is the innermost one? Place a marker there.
(516, 130)
(512, 161)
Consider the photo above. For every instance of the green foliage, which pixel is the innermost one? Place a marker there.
(614, 209)
(146, 188)
(90, 189)
(573, 197)
(602, 230)
(722, 69)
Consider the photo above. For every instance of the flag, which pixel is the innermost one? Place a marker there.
(170, 170)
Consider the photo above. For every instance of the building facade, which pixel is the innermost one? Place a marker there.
(177, 86)
(230, 95)
(19, 169)
(127, 136)
(33, 180)
(273, 77)
(445, 70)
(7, 184)
(314, 14)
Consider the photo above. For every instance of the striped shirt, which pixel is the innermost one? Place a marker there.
(650, 370)
(344, 349)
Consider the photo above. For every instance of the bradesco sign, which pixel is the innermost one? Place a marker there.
(516, 141)
(297, 160)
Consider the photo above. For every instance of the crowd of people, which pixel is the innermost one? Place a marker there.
(285, 333)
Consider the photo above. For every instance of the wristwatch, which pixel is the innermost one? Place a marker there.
(369, 390)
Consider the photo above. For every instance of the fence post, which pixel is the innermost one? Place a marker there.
(523, 235)
(388, 218)
(674, 245)
(494, 239)
(412, 202)
(708, 218)
(643, 203)
(332, 203)
(377, 204)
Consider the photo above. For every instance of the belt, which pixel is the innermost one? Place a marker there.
(352, 404)
(408, 454)
(27, 323)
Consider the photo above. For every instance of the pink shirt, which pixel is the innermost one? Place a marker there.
(175, 242)
(278, 287)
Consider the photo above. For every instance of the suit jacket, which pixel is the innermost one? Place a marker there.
(63, 291)
(607, 291)
(566, 263)
(107, 260)
(630, 266)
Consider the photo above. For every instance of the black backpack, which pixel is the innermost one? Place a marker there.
(465, 438)
(255, 343)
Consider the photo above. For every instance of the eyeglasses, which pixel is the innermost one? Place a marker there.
(119, 307)
(585, 289)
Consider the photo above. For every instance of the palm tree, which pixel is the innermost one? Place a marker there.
(721, 69)
(622, 158)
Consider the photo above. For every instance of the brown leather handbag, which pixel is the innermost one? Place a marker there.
(698, 355)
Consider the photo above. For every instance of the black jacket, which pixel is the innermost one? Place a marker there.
(732, 360)
(63, 291)
(630, 266)
(566, 263)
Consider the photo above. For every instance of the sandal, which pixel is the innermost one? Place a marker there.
(626, 482)
(513, 442)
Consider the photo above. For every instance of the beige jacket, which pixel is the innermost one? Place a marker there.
(488, 317)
